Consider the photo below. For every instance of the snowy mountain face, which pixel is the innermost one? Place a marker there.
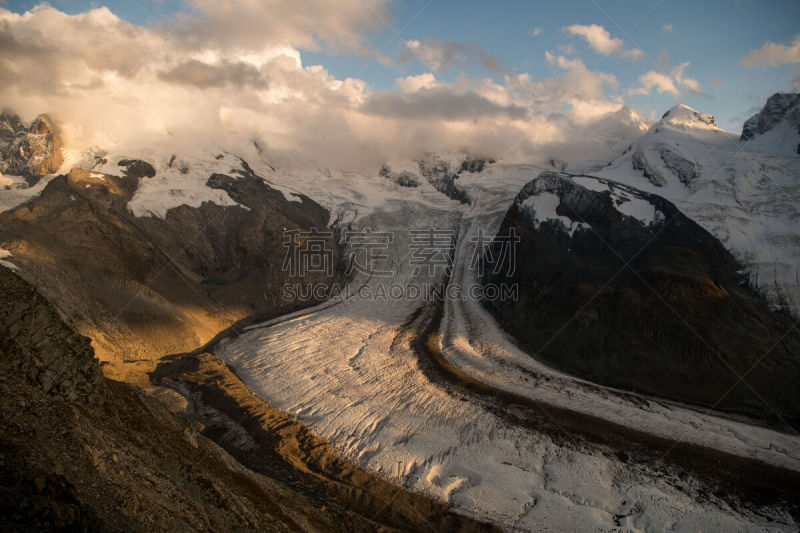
(776, 128)
(745, 193)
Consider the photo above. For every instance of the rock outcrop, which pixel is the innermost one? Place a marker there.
(30, 152)
(443, 178)
(404, 179)
(639, 162)
(779, 107)
(619, 287)
(686, 171)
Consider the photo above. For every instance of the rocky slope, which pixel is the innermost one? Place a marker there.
(81, 452)
(619, 287)
(145, 286)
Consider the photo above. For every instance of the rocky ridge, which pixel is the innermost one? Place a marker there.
(29, 152)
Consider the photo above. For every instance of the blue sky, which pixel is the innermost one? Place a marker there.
(713, 36)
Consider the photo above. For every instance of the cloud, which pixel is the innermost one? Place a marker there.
(677, 72)
(601, 41)
(439, 104)
(567, 49)
(534, 32)
(440, 55)
(115, 85)
(667, 82)
(254, 24)
(578, 93)
(666, 28)
(661, 82)
(36, 50)
(773, 54)
(204, 75)
(795, 83)
(411, 84)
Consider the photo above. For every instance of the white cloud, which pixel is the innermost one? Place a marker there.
(661, 82)
(534, 32)
(601, 41)
(773, 54)
(411, 84)
(578, 92)
(670, 82)
(666, 28)
(677, 72)
(566, 48)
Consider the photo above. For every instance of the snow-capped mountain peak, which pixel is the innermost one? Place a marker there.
(684, 117)
(629, 117)
(743, 192)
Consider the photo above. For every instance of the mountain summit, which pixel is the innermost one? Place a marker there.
(683, 117)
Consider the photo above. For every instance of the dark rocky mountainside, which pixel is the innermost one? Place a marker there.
(143, 287)
(655, 306)
(29, 152)
(79, 452)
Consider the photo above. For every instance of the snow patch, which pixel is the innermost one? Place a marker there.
(541, 207)
(625, 201)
